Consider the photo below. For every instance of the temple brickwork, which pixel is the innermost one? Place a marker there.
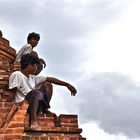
(14, 119)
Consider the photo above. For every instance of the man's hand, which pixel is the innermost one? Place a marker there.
(72, 89)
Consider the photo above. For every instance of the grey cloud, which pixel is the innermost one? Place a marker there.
(113, 100)
(17, 13)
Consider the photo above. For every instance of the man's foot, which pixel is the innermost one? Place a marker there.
(56, 119)
(35, 125)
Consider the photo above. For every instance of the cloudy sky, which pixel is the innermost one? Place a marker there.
(93, 44)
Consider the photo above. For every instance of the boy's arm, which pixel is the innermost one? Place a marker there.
(12, 94)
(62, 83)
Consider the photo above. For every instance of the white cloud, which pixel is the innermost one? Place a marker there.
(94, 132)
(116, 48)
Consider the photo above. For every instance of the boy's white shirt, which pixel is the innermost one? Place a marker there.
(24, 50)
(24, 84)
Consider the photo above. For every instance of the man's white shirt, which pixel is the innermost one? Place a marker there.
(24, 84)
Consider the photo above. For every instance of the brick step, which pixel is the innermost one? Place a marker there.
(6, 104)
(63, 122)
(52, 136)
(12, 136)
(5, 108)
(68, 120)
(55, 129)
(14, 130)
(14, 123)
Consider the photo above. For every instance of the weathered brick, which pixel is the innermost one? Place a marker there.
(18, 118)
(6, 104)
(24, 106)
(14, 124)
(4, 110)
(14, 130)
(69, 125)
(4, 40)
(26, 137)
(7, 55)
(67, 116)
(68, 120)
(13, 136)
(21, 112)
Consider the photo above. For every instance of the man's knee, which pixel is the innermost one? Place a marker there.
(33, 95)
(48, 85)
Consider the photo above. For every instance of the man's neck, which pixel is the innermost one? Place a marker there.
(25, 73)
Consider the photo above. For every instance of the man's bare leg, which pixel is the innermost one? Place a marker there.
(34, 122)
(49, 89)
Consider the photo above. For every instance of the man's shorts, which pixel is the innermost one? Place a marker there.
(38, 95)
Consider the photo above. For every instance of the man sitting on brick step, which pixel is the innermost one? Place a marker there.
(24, 85)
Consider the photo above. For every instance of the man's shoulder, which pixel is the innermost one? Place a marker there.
(16, 73)
(31, 76)
(36, 77)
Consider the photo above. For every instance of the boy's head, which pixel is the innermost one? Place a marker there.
(33, 39)
(27, 60)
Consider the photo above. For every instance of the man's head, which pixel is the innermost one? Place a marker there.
(29, 62)
(33, 39)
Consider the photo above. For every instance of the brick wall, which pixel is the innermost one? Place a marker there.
(14, 120)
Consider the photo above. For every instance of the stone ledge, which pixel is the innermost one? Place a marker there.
(61, 137)
(55, 130)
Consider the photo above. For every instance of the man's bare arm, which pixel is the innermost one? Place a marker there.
(62, 83)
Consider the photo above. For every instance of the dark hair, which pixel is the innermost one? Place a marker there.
(27, 60)
(0, 33)
(33, 35)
